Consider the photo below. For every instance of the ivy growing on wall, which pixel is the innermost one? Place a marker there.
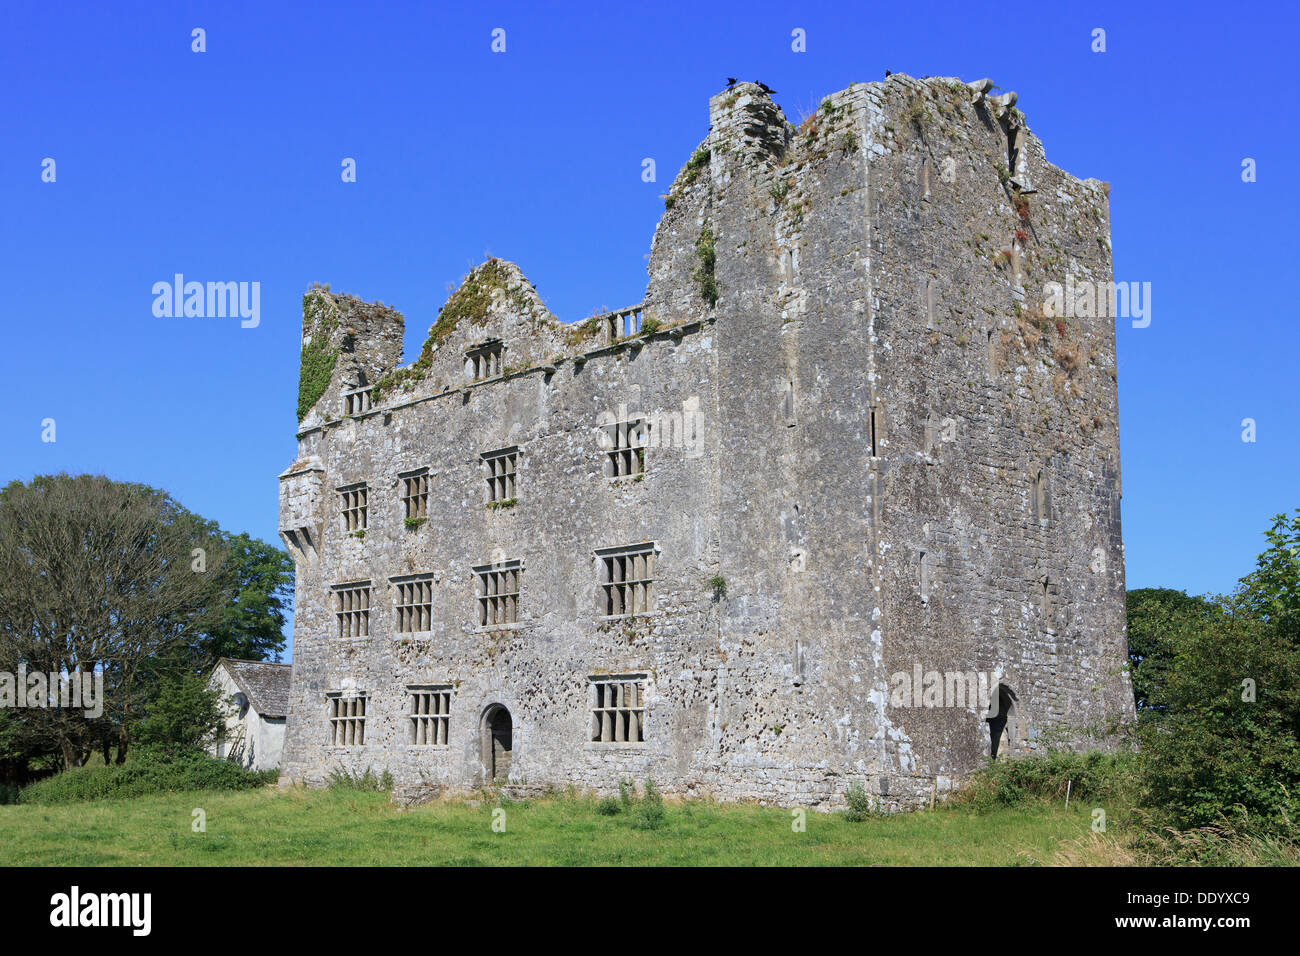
(314, 374)
(706, 253)
(318, 357)
(691, 172)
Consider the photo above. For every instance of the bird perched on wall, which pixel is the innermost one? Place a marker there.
(731, 81)
(766, 89)
(888, 74)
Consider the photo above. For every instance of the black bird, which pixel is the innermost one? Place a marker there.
(888, 74)
(731, 81)
(766, 89)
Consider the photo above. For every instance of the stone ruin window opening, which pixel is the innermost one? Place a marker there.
(484, 361)
(414, 604)
(617, 709)
(430, 714)
(498, 593)
(1039, 496)
(627, 578)
(925, 577)
(1003, 721)
(497, 741)
(347, 720)
(415, 494)
(624, 323)
(501, 467)
(625, 443)
(358, 402)
(355, 507)
(352, 609)
(1047, 601)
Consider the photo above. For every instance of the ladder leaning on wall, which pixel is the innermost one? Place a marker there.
(236, 752)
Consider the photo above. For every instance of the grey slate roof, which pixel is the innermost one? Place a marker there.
(266, 684)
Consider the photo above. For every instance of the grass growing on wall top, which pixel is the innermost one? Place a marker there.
(470, 303)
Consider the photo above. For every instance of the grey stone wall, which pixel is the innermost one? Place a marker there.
(867, 378)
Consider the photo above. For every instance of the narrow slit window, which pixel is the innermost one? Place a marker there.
(1038, 492)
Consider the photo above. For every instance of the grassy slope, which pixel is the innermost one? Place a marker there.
(300, 827)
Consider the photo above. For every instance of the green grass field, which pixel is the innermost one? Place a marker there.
(319, 827)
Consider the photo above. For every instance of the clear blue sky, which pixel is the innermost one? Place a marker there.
(225, 165)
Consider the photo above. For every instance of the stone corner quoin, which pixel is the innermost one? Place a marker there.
(754, 535)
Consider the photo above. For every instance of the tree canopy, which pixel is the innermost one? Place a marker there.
(118, 579)
(1217, 684)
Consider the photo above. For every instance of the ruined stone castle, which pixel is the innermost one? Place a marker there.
(838, 501)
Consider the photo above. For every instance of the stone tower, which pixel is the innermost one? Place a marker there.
(839, 500)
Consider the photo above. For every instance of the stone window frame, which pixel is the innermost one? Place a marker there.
(617, 580)
(415, 494)
(1049, 599)
(347, 718)
(1040, 497)
(358, 402)
(623, 323)
(352, 601)
(354, 506)
(614, 721)
(414, 598)
(485, 360)
(875, 429)
(502, 484)
(429, 715)
(625, 443)
(498, 588)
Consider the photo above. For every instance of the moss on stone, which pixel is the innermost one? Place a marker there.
(470, 303)
(576, 334)
(691, 172)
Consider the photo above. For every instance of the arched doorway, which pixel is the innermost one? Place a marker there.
(1002, 721)
(498, 742)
